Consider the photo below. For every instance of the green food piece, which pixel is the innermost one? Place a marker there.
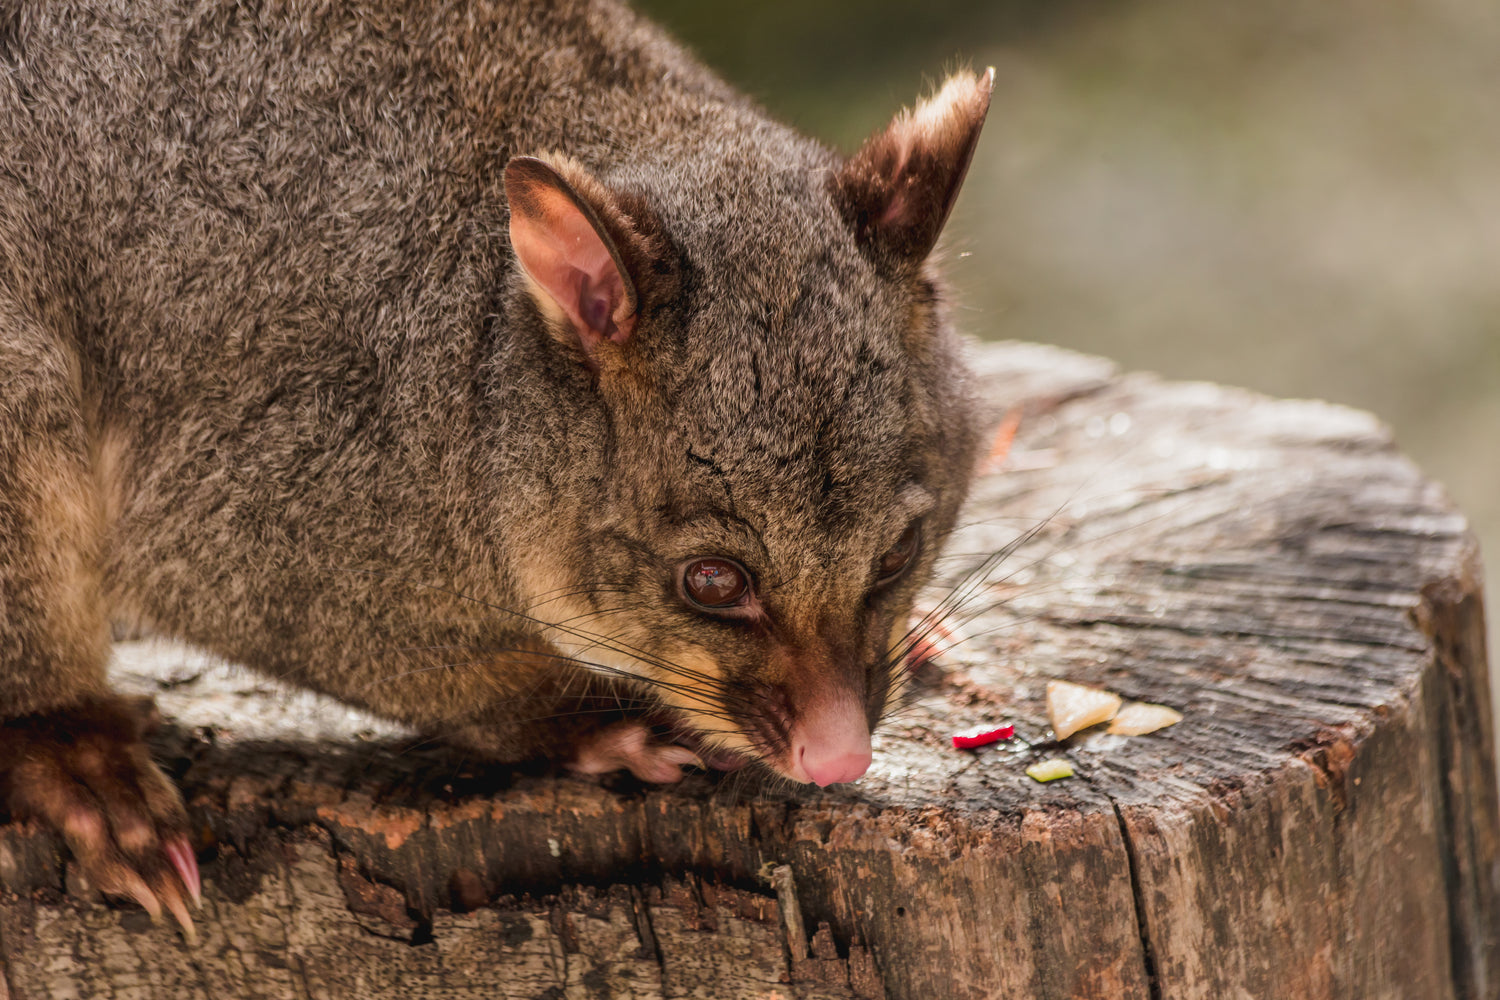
(1050, 770)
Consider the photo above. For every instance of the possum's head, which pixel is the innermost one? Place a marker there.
(788, 432)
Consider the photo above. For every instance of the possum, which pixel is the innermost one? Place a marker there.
(490, 365)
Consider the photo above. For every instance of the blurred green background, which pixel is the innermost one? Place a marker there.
(1300, 198)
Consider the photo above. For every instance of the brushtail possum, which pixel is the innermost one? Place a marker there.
(486, 364)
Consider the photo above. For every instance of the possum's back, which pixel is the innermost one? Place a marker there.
(207, 174)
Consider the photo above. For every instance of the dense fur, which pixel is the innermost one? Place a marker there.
(272, 382)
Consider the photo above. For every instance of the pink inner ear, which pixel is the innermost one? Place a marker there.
(563, 253)
(897, 208)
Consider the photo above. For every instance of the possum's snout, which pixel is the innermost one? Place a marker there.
(823, 740)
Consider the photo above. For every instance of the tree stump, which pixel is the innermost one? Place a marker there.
(1323, 823)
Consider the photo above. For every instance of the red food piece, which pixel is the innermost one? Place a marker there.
(980, 737)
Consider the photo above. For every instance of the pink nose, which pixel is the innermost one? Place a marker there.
(831, 743)
(830, 769)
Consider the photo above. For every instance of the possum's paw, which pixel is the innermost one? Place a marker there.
(630, 746)
(86, 773)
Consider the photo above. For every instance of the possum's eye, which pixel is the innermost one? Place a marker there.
(895, 560)
(715, 584)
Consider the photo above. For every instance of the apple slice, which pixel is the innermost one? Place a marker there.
(1140, 717)
(1072, 707)
(1050, 770)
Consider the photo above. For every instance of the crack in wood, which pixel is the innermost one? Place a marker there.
(1453, 616)
(1137, 893)
(643, 928)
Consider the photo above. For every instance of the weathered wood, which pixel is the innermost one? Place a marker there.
(288, 920)
(1323, 823)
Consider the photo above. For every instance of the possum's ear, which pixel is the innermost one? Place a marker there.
(897, 191)
(584, 249)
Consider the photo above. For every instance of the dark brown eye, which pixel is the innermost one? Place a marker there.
(898, 556)
(715, 583)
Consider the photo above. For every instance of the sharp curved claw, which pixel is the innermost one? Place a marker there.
(682, 757)
(186, 865)
(173, 899)
(135, 887)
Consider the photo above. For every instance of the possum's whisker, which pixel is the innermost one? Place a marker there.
(968, 585)
(903, 667)
(481, 654)
(613, 645)
(957, 619)
(961, 606)
(697, 691)
(623, 702)
(972, 582)
(690, 693)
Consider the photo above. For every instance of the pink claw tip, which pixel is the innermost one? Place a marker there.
(185, 863)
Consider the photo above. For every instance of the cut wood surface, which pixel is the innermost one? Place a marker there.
(1322, 824)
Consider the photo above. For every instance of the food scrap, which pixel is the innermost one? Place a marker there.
(982, 737)
(1072, 707)
(1050, 770)
(1139, 718)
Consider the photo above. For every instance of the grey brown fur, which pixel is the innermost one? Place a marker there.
(272, 382)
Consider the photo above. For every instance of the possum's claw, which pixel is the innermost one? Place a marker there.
(185, 863)
(86, 773)
(630, 746)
